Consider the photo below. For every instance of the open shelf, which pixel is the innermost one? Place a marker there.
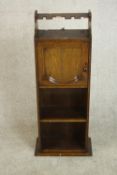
(63, 119)
(63, 136)
(63, 104)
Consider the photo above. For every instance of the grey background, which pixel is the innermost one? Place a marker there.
(18, 127)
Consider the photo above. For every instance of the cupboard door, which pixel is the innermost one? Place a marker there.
(63, 63)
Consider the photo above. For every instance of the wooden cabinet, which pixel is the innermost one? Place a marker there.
(63, 63)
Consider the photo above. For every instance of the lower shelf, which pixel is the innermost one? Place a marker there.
(63, 103)
(63, 120)
(62, 139)
(64, 152)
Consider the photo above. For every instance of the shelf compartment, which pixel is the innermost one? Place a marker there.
(54, 112)
(63, 136)
(64, 152)
(63, 103)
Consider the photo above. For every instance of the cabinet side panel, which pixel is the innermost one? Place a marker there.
(37, 92)
(88, 99)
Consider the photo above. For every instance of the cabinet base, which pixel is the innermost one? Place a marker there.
(58, 152)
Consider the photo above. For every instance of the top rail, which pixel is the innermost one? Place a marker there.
(65, 15)
(41, 16)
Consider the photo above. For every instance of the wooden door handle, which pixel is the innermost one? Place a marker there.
(54, 81)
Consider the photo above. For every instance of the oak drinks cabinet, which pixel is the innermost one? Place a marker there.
(63, 63)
